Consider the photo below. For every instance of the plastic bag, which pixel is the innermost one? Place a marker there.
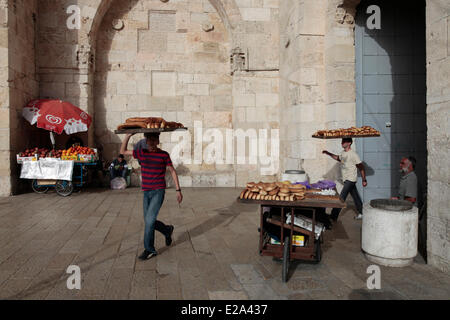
(324, 184)
(118, 183)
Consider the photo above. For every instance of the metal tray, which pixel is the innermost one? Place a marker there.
(144, 130)
(351, 136)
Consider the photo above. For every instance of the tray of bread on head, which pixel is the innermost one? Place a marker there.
(353, 132)
(286, 194)
(149, 124)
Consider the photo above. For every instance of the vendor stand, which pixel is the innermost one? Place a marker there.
(62, 170)
(308, 227)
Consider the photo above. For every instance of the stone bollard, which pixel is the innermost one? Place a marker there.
(389, 232)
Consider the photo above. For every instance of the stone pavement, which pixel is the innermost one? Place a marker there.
(214, 254)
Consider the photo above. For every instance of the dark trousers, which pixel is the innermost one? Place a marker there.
(349, 187)
(117, 173)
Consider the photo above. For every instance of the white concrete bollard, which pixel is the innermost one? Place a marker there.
(389, 232)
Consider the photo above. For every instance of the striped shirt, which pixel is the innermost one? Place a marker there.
(153, 168)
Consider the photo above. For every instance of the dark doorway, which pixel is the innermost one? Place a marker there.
(391, 92)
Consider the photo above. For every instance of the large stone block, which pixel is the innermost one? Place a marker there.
(52, 90)
(218, 119)
(198, 89)
(226, 180)
(255, 14)
(176, 43)
(437, 40)
(152, 42)
(267, 99)
(191, 103)
(244, 100)
(128, 87)
(163, 83)
(163, 21)
(314, 18)
(223, 102)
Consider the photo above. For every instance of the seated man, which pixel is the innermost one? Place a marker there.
(118, 167)
(408, 182)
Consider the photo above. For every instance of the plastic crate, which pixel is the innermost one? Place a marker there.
(70, 158)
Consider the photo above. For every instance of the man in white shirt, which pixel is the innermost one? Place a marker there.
(350, 162)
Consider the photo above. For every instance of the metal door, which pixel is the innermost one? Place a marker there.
(391, 92)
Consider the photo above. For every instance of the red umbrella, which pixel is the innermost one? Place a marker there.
(57, 116)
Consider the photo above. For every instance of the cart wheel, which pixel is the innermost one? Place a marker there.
(318, 251)
(286, 258)
(64, 188)
(37, 188)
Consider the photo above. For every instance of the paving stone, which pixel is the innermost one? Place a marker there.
(247, 274)
(261, 292)
(299, 296)
(119, 284)
(227, 295)
(214, 254)
(301, 284)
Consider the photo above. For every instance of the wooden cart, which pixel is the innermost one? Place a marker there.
(286, 250)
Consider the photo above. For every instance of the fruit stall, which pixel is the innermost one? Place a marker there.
(63, 170)
(52, 168)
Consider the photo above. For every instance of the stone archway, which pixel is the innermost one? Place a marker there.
(87, 37)
(177, 70)
(227, 10)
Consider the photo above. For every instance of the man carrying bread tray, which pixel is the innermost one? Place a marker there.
(154, 162)
(350, 162)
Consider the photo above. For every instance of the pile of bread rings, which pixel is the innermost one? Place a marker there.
(275, 191)
(350, 132)
(149, 123)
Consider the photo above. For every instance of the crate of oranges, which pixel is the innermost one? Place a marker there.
(82, 154)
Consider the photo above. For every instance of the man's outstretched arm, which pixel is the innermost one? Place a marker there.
(335, 157)
(123, 148)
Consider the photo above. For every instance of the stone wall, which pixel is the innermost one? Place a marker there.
(5, 167)
(302, 85)
(156, 59)
(438, 115)
(339, 56)
(18, 85)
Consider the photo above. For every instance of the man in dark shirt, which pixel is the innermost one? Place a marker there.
(118, 167)
(408, 181)
(154, 162)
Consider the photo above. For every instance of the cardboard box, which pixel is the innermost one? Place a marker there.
(298, 241)
(86, 157)
(20, 160)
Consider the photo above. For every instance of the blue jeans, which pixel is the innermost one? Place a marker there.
(349, 187)
(153, 201)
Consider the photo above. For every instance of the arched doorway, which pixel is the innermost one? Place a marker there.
(155, 59)
(391, 92)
